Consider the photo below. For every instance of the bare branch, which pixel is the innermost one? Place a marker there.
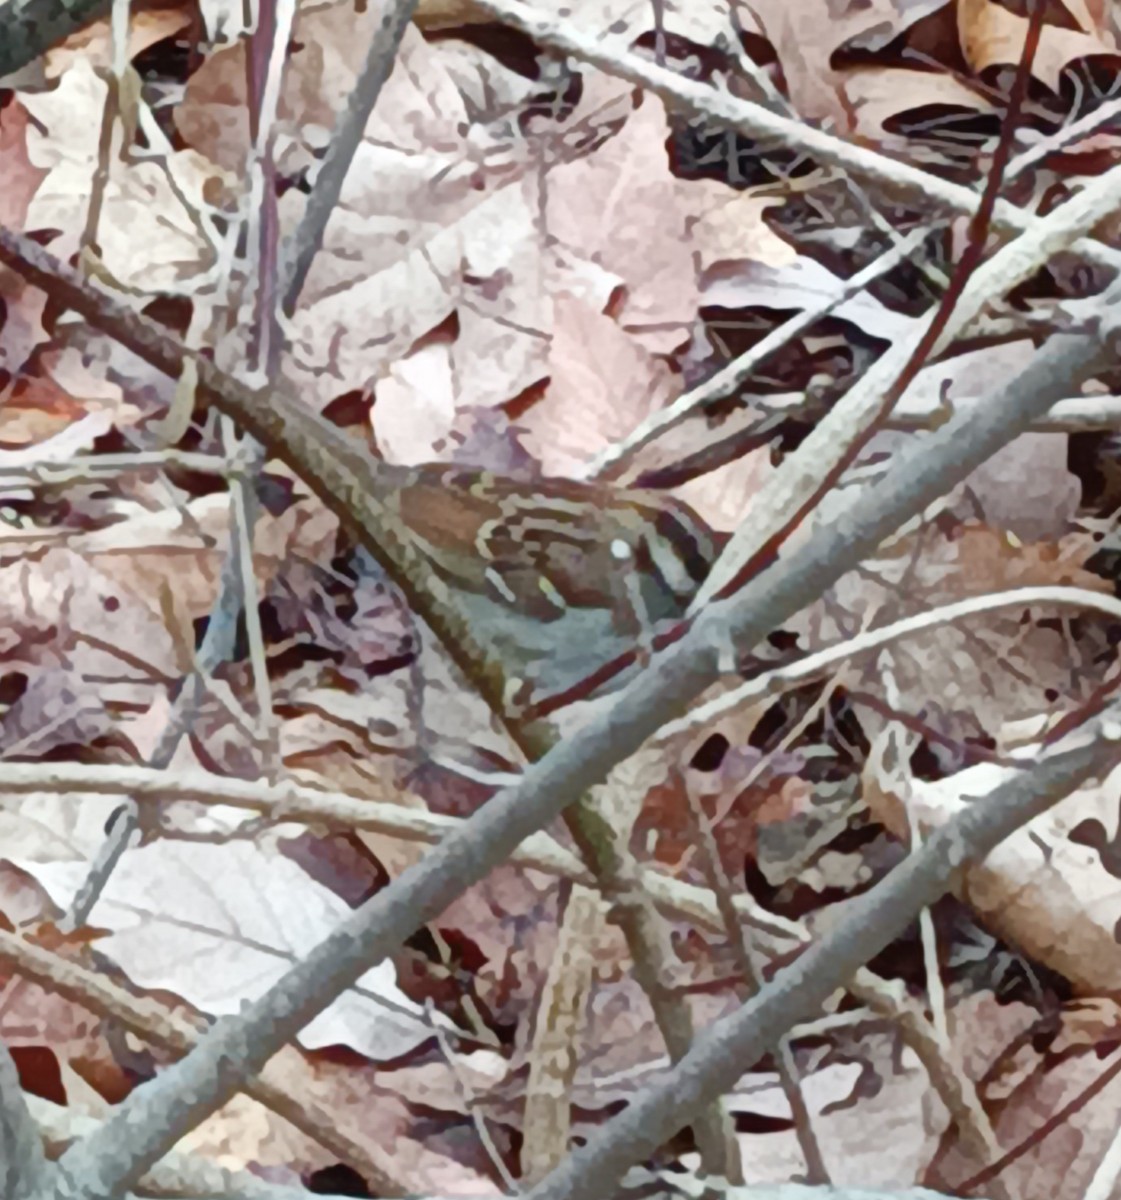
(22, 1162)
(238, 1047)
(869, 924)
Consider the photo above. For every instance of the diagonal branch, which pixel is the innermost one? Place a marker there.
(22, 1164)
(871, 921)
(344, 142)
(701, 99)
(147, 1124)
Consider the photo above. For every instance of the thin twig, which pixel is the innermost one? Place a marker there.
(1057, 1120)
(344, 143)
(612, 460)
(751, 971)
(700, 99)
(755, 544)
(815, 665)
(150, 1020)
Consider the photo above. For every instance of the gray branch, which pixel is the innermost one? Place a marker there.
(722, 1053)
(30, 27)
(22, 1162)
(344, 142)
(153, 1119)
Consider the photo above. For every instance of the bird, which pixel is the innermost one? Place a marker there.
(560, 577)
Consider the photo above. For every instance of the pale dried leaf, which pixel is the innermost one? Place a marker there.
(148, 240)
(1037, 890)
(991, 35)
(220, 924)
